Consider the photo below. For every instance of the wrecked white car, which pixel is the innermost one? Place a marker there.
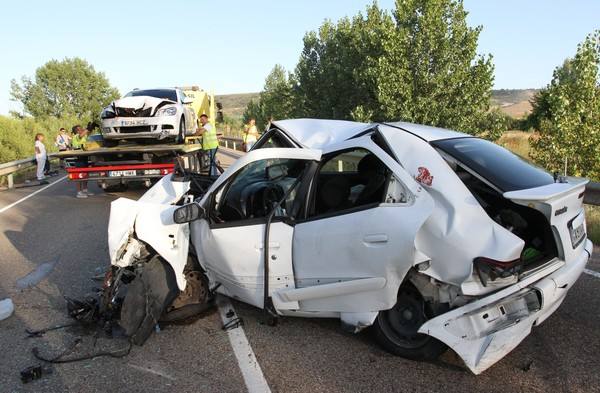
(434, 238)
(149, 114)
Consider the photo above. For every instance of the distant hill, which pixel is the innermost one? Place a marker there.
(235, 104)
(514, 102)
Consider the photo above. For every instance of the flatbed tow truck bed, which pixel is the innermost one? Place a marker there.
(119, 165)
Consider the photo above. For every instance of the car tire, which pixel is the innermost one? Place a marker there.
(181, 132)
(110, 142)
(396, 329)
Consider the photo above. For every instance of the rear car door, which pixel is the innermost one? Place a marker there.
(356, 242)
(230, 240)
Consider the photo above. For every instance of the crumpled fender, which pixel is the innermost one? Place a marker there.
(151, 218)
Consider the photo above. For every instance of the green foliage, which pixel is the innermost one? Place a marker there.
(16, 135)
(416, 64)
(274, 102)
(540, 109)
(570, 126)
(71, 87)
(431, 73)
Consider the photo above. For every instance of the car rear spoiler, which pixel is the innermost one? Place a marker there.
(547, 192)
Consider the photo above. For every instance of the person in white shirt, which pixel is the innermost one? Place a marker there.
(63, 140)
(40, 157)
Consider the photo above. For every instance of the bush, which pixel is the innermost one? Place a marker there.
(17, 135)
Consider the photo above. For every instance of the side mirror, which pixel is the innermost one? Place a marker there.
(188, 213)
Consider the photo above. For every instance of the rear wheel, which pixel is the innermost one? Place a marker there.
(396, 329)
(181, 133)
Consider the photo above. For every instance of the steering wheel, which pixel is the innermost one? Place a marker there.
(271, 194)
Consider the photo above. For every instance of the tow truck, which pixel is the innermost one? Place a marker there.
(114, 167)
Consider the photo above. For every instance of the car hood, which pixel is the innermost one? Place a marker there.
(140, 102)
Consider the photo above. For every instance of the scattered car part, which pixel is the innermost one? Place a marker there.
(32, 373)
(6, 308)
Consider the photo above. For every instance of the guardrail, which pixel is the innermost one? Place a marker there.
(592, 190)
(231, 143)
(8, 169)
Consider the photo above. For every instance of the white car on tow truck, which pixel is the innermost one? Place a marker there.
(159, 114)
(434, 238)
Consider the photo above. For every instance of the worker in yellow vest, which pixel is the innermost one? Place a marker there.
(250, 135)
(210, 143)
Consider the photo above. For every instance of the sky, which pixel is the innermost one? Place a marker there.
(230, 46)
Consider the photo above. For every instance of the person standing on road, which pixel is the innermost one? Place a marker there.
(40, 157)
(210, 143)
(77, 142)
(250, 135)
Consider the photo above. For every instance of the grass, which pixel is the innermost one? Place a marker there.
(517, 142)
(592, 216)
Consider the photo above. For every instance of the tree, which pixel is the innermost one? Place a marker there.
(336, 76)
(275, 101)
(569, 132)
(64, 88)
(431, 73)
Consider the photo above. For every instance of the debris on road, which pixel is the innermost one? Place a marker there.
(34, 277)
(6, 308)
(34, 372)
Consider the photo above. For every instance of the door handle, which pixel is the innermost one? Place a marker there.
(376, 238)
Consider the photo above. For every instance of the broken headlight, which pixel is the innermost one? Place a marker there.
(107, 114)
(170, 111)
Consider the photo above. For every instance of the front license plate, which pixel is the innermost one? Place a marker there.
(127, 123)
(577, 235)
(121, 173)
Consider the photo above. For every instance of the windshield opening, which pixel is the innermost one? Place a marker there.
(165, 94)
(504, 169)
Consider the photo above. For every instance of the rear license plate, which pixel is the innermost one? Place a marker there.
(122, 173)
(577, 235)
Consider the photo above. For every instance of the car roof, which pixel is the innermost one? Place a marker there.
(319, 133)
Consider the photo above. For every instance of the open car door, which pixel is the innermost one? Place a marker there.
(264, 186)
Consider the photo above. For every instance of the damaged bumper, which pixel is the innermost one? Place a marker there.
(140, 127)
(484, 331)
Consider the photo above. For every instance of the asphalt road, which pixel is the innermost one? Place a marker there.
(297, 355)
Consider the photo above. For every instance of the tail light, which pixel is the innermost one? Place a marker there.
(490, 269)
(78, 175)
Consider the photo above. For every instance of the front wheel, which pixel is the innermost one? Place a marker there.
(396, 329)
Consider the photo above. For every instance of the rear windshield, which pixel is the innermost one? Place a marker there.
(505, 170)
(165, 94)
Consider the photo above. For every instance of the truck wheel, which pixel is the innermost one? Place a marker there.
(181, 133)
(110, 142)
(115, 188)
(396, 329)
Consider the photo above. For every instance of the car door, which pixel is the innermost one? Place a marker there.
(356, 243)
(188, 113)
(230, 242)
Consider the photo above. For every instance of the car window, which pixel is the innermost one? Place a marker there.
(502, 168)
(165, 94)
(273, 138)
(349, 180)
(257, 187)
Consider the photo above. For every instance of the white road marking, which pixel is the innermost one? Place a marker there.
(5, 208)
(591, 273)
(251, 371)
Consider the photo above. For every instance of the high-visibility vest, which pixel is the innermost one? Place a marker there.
(78, 141)
(209, 138)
